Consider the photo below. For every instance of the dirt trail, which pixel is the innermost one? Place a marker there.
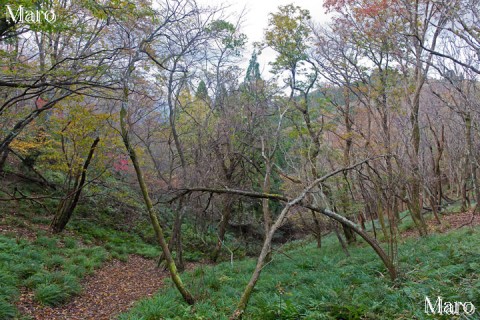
(116, 286)
(112, 289)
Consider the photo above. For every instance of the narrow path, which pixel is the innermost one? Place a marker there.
(116, 286)
(112, 289)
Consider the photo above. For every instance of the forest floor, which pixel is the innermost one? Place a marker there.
(449, 222)
(112, 289)
(309, 283)
(117, 285)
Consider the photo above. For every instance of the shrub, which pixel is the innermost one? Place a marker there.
(7, 310)
(69, 243)
(25, 269)
(8, 283)
(55, 262)
(46, 242)
(71, 285)
(50, 294)
(38, 279)
(75, 270)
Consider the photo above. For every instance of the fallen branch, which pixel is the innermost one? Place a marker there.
(298, 201)
(260, 195)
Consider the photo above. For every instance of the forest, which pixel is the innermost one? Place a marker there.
(152, 168)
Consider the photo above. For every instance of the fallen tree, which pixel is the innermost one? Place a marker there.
(291, 202)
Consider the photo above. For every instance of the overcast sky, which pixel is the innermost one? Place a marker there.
(256, 20)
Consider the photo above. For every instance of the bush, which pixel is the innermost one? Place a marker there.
(49, 243)
(69, 243)
(50, 294)
(71, 285)
(75, 270)
(38, 279)
(25, 269)
(7, 310)
(8, 284)
(55, 262)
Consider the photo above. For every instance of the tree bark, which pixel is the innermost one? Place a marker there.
(3, 159)
(349, 234)
(472, 160)
(175, 242)
(67, 205)
(151, 212)
(222, 228)
(318, 229)
(340, 239)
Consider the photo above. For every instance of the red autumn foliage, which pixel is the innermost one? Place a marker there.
(40, 103)
(362, 9)
(121, 165)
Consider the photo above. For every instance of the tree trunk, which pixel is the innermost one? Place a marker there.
(349, 234)
(415, 203)
(151, 212)
(340, 239)
(266, 248)
(67, 205)
(472, 160)
(222, 228)
(318, 229)
(3, 159)
(178, 239)
(434, 205)
(175, 242)
(415, 207)
(465, 200)
(267, 215)
(279, 221)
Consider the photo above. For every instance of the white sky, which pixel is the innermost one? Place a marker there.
(256, 20)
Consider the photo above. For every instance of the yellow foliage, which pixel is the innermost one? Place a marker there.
(24, 147)
(74, 126)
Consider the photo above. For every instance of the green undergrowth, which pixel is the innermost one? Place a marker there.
(308, 283)
(49, 266)
(118, 243)
(52, 266)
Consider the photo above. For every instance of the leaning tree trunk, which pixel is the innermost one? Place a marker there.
(67, 205)
(25, 121)
(151, 212)
(242, 305)
(340, 239)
